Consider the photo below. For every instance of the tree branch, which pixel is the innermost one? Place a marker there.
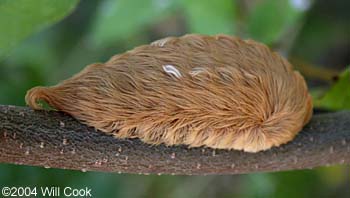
(53, 139)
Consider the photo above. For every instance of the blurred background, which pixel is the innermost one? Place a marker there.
(45, 41)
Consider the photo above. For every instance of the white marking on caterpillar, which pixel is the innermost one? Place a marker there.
(197, 70)
(160, 43)
(248, 75)
(169, 69)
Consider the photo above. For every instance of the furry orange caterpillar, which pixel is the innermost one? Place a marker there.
(215, 91)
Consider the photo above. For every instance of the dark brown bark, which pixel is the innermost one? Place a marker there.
(53, 139)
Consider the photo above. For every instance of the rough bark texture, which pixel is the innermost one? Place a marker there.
(53, 139)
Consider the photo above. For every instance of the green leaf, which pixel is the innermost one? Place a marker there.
(269, 19)
(338, 97)
(20, 18)
(119, 19)
(210, 17)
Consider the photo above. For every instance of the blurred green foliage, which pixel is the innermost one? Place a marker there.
(124, 19)
(210, 17)
(338, 96)
(20, 18)
(96, 30)
(269, 19)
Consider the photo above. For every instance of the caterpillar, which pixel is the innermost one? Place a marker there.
(217, 91)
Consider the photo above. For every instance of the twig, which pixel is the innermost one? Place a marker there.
(53, 139)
